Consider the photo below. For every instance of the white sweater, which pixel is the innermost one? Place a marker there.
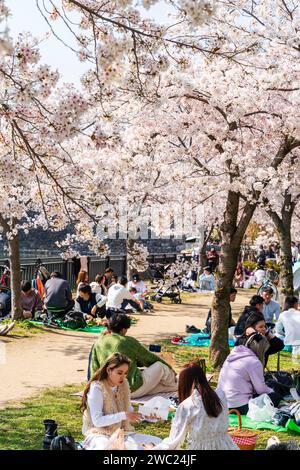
(288, 326)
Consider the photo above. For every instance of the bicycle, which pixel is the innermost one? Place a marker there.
(5, 277)
(271, 280)
(41, 272)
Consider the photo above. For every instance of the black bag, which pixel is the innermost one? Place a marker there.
(63, 443)
(74, 320)
(282, 416)
(280, 381)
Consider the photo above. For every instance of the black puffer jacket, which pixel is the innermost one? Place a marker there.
(241, 323)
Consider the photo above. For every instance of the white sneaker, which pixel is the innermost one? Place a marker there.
(8, 328)
(3, 329)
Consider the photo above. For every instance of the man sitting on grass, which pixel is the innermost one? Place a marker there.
(31, 301)
(90, 303)
(157, 377)
(58, 295)
(119, 297)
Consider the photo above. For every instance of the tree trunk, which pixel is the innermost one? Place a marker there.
(129, 247)
(202, 258)
(283, 225)
(286, 263)
(232, 235)
(15, 277)
(202, 254)
(219, 348)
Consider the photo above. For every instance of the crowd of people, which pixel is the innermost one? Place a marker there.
(107, 294)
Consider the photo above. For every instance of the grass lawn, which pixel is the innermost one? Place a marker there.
(21, 425)
(25, 329)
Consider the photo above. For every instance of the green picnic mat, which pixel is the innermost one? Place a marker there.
(251, 424)
(87, 329)
(292, 426)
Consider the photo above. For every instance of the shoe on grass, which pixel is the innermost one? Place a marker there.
(8, 328)
(192, 329)
(3, 329)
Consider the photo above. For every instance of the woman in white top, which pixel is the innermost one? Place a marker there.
(106, 408)
(202, 413)
(288, 325)
(98, 286)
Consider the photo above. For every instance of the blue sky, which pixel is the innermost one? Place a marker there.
(26, 17)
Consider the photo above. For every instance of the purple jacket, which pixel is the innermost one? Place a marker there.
(242, 376)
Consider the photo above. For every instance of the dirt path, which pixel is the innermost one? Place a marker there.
(59, 357)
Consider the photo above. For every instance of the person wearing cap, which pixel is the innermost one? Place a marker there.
(139, 290)
(207, 280)
(242, 375)
(138, 284)
(256, 305)
(255, 323)
(271, 309)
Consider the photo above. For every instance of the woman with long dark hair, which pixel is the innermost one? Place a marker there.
(202, 413)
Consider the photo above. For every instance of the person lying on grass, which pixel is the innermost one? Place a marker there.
(157, 377)
(202, 413)
(106, 407)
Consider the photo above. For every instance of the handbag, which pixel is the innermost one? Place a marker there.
(280, 381)
(74, 320)
(63, 442)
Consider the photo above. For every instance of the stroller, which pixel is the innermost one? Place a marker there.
(155, 272)
(168, 290)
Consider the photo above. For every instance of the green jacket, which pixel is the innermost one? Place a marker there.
(139, 356)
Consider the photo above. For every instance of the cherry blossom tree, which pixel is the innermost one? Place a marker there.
(41, 185)
(280, 205)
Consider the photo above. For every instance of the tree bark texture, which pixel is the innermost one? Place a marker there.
(15, 277)
(129, 248)
(283, 223)
(232, 231)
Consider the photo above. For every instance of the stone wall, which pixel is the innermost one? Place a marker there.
(43, 243)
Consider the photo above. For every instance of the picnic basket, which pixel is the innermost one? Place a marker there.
(245, 439)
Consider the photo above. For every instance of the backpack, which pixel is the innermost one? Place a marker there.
(74, 320)
(63, 442)
(5, 303)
